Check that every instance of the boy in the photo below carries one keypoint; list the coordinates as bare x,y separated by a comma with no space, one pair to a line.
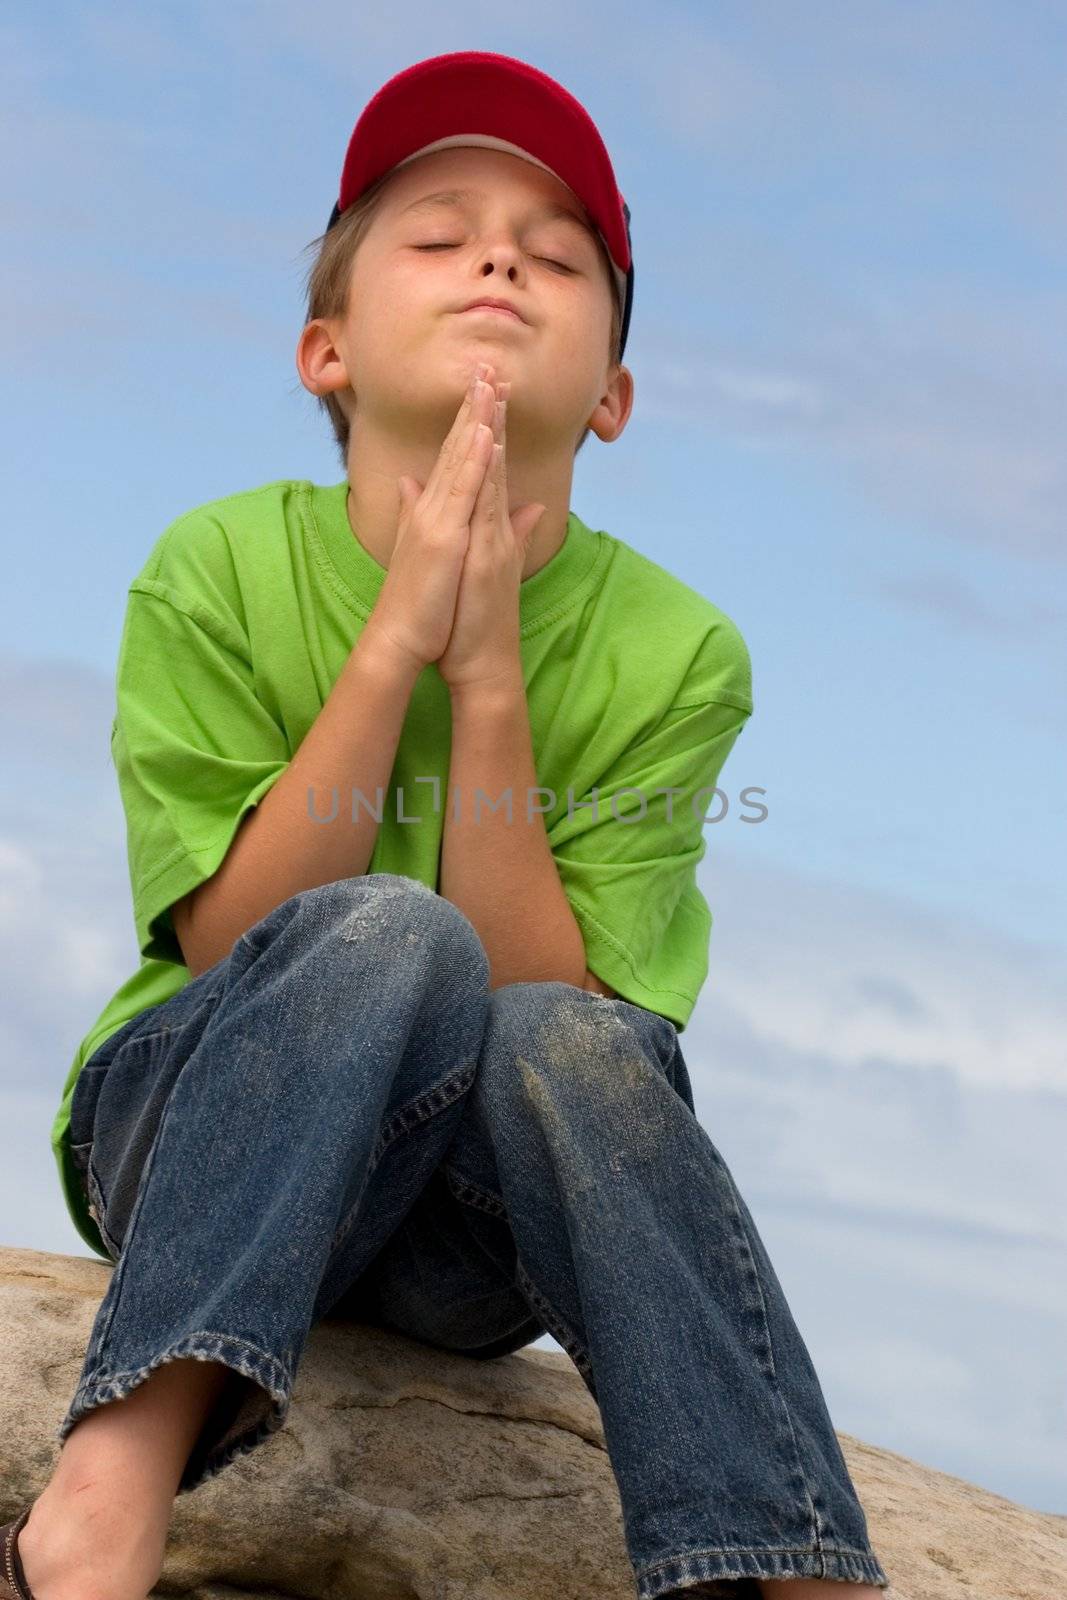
488,968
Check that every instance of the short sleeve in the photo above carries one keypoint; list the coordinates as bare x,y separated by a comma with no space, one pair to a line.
630,872
194,750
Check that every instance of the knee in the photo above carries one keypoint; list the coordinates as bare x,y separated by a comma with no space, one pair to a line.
520,1007
402,913
553,1023
559,1010
584,1035
608,1071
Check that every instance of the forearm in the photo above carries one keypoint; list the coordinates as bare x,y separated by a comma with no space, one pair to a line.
280,847
501,873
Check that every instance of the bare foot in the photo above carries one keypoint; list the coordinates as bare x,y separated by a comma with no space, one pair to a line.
818,1589
98,1531
90,1552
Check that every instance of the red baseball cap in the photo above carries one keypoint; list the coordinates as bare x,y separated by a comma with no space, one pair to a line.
475,97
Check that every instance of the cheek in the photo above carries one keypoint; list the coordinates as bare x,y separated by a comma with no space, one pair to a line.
579,311
583,330
414,297
386,285
385,314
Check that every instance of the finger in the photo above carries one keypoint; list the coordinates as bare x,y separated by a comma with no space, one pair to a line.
500,505
479,375
485,514
481,382
450,478
468,414
466,486
499,464
479,410
492,504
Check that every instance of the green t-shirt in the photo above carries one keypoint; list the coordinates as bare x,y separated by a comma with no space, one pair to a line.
235,631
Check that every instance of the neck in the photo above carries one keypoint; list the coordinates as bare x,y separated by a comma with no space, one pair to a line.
377,460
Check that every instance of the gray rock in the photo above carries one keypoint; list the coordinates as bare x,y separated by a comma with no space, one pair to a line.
406,1473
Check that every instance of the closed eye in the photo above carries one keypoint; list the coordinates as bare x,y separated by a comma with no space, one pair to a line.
562,267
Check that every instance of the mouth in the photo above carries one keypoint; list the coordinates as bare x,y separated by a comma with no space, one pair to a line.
489,309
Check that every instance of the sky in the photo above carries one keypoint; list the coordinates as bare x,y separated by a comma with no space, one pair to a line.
848,336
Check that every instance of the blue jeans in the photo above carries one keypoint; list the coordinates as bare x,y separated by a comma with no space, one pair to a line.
342,1118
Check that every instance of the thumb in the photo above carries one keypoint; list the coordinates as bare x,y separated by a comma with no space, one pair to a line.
409,493
525,520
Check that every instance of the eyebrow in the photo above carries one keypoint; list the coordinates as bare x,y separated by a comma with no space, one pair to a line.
451,197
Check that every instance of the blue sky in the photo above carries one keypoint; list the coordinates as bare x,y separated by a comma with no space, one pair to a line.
847,343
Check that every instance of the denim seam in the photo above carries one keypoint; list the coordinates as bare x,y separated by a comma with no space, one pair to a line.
105,1377
753,1561
118,1280
423,1107
471,1195
409,1116
761,1550
167,1029
144,1038
555,1325
258,1365
816,1522
97,1208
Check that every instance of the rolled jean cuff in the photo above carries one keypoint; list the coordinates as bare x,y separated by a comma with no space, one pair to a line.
241,1421
810,1561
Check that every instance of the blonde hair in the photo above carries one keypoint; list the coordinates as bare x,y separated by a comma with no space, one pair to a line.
330,275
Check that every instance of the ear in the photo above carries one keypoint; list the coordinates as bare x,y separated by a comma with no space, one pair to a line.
318,363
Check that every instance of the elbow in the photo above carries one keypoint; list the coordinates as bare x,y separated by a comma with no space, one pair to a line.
194,954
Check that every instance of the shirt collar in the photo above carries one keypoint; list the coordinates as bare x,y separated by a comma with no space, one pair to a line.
563,580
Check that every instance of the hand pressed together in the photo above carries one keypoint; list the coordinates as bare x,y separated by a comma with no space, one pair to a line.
484,643
451,593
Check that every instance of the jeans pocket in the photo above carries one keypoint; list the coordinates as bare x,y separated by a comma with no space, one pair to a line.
119,1101
98,1208
126,1102
82,1112
156,1025
79,1154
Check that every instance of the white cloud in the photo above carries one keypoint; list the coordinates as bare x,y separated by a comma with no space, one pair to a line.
855,977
